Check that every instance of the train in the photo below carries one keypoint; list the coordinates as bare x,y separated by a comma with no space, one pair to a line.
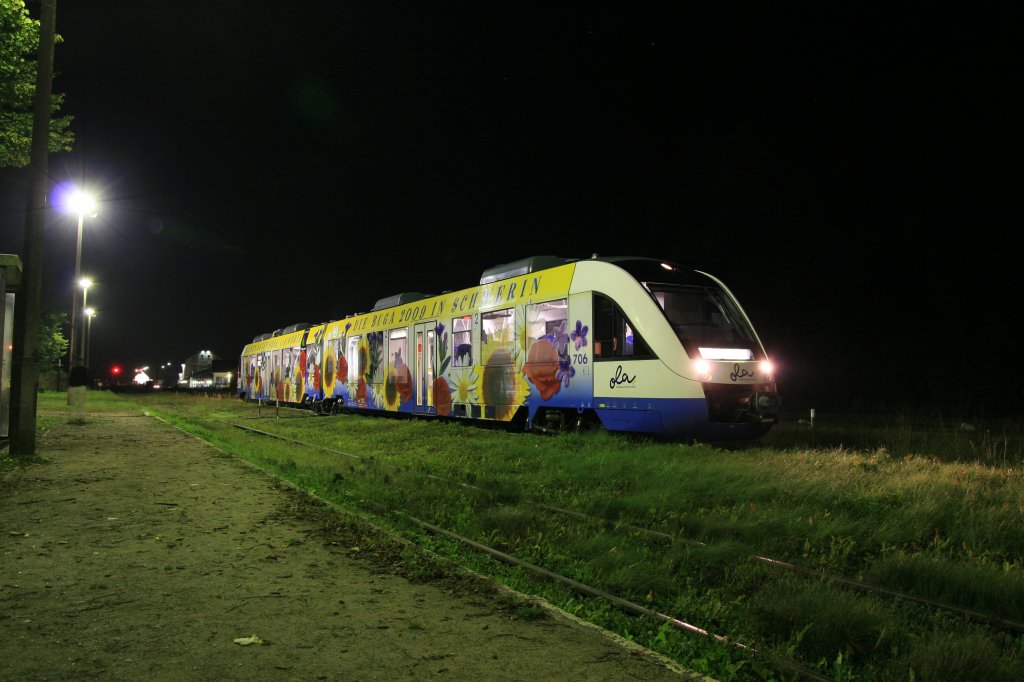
546,343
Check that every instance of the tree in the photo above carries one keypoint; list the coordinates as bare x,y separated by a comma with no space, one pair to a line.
19,43
52,344
24,367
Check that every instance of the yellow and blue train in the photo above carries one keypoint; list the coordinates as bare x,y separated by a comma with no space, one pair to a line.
545,343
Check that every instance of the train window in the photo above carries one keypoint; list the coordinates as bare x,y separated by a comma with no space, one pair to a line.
549,321
355,366
398,347
462,341
614,336
497,337
351,351
275,373
398,357
290,357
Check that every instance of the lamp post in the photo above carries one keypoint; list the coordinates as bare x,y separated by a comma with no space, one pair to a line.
85,283
89,314
80,203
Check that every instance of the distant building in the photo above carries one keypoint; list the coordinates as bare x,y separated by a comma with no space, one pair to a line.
198,362
206,370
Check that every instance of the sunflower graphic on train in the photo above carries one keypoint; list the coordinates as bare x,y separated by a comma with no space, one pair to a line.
502,385
370,371
330,367
335,370
295,378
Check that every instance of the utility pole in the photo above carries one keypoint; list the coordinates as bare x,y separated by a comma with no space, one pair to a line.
25,369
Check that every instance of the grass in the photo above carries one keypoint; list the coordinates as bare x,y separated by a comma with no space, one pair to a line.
916,504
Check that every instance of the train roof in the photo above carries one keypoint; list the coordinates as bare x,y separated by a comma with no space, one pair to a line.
522,267
637,265
399,299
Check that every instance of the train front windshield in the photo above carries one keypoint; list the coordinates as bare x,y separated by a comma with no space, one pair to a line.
707,321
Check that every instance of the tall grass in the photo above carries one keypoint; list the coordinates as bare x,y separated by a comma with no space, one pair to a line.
930,509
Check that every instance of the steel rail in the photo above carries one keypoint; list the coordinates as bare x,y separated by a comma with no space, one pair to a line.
624,604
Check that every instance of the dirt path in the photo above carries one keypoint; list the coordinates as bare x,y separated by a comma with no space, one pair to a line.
137,552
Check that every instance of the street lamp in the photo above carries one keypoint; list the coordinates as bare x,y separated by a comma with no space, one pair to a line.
89,314
81,203
85,283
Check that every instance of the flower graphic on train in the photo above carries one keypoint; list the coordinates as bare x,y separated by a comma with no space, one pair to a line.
579,335
361,392
342,372
463,383
369,371
444,358
442,397
502,384
565,371
370,351
363,358
548,364
560,339
296,385
330,366
540,367
397,385
392,398
403,377
342,378
312,374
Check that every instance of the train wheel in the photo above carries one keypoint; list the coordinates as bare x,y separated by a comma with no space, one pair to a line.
549,421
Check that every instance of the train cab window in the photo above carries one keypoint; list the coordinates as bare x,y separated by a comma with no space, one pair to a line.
462,341
705,318
614,336
497,337
548,321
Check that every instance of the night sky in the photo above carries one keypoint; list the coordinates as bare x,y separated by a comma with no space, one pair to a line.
852,174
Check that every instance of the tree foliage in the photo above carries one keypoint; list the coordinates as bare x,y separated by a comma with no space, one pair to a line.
19,47
52,345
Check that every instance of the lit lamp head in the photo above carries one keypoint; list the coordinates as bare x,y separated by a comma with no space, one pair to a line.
81,203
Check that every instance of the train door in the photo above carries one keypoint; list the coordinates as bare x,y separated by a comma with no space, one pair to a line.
423,367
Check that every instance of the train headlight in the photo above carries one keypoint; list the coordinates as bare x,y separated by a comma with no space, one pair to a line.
702,368
767,368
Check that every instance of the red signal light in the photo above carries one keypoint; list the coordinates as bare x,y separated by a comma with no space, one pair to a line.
116,369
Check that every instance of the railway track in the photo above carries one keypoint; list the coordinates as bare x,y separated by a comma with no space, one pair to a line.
791,669
989,619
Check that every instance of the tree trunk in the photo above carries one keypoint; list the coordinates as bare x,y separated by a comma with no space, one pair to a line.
25,369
